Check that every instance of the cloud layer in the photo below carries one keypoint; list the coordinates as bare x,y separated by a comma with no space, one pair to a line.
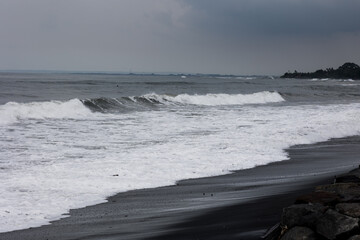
277,17
209,36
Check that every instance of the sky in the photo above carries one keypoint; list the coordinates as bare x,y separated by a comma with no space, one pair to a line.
242,37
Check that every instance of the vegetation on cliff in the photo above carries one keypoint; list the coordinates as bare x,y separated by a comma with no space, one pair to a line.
346,71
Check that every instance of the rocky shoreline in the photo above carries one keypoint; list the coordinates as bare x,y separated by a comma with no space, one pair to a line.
329,212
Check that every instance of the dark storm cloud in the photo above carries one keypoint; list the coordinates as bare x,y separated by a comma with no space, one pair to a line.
209,36
276,17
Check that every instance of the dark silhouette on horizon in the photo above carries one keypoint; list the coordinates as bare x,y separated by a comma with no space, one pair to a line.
346,71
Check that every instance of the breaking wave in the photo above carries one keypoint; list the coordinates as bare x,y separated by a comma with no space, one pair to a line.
12,111
76,109
153,99
218,99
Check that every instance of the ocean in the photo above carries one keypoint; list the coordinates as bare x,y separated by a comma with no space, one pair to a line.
69,140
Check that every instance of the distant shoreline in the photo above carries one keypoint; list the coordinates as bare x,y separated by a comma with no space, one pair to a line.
109,73
346,71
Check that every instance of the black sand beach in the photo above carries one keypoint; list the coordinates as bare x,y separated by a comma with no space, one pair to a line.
241,205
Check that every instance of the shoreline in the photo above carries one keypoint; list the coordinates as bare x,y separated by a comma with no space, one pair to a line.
183,210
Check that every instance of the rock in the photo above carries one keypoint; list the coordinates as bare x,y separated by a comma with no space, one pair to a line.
355,237
353,176
320,197
302,215
333,224
347,179
273,233
299,233
350,209
340,188
355,172
347,191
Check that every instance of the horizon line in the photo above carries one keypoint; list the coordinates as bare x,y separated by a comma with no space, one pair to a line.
125,73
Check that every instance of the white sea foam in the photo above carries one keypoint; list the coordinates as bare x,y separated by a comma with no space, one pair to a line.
332,80
50,166
245,78
218,99
350,84
12,112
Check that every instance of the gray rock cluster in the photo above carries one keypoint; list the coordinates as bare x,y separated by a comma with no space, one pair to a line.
330,212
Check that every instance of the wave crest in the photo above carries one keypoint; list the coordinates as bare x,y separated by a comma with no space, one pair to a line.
217,99
11,112
152,100
73,109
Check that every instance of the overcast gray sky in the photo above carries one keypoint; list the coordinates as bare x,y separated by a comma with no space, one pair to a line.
194,36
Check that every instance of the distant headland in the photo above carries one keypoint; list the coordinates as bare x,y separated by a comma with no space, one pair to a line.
346,71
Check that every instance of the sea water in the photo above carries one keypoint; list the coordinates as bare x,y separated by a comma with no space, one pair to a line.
70,140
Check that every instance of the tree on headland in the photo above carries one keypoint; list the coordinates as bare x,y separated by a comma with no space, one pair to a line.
346,71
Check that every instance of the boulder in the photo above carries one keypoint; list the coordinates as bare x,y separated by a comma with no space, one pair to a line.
350,209
333,225
347,179
299,233
320,197
273,233
302,215
355,237
340,188
355,172
352,176
347,191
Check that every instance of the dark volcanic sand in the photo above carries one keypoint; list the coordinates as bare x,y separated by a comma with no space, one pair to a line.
241,205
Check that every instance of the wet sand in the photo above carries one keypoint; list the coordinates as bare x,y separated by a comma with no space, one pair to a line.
241,205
